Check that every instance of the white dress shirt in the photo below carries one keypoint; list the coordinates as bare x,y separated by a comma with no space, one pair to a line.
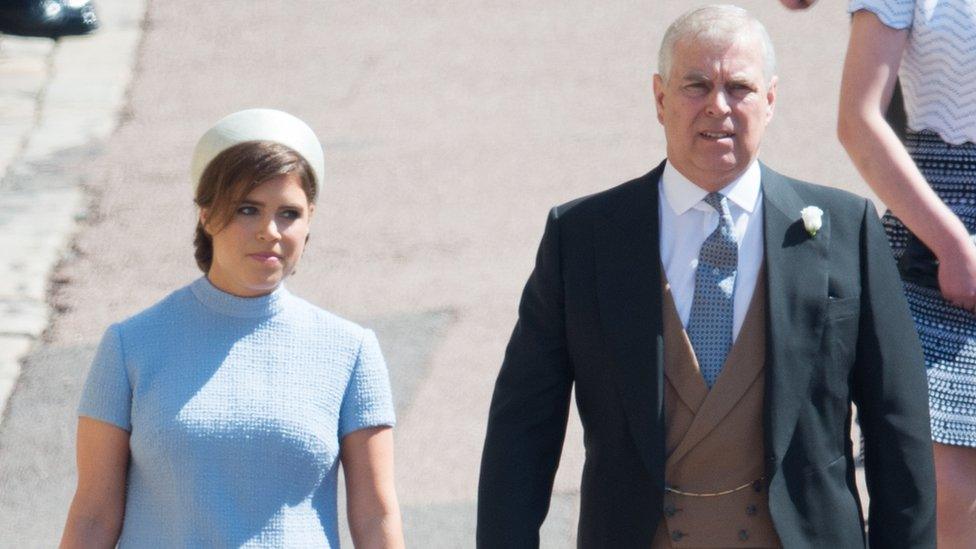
686,221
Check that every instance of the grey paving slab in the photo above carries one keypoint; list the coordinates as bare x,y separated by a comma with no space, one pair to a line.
59,99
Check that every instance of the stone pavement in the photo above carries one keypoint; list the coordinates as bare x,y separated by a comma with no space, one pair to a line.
58,101
450,128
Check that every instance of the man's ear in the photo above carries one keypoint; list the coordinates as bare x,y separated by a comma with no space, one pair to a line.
659,97
771,97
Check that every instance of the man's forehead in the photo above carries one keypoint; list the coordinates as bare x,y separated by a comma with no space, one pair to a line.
703,58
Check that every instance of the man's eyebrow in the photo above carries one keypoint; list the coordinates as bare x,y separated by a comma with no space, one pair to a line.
696,76
741,78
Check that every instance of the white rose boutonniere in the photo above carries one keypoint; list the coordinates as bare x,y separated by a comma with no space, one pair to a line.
812,219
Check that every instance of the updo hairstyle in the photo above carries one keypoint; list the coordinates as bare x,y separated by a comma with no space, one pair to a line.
232,175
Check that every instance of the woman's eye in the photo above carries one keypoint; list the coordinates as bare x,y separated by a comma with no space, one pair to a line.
247,210
291,214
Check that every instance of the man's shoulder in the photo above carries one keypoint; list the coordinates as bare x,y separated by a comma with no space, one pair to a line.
604,203
817,194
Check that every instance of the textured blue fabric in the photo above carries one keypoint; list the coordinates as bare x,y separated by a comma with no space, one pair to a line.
236,408
710,322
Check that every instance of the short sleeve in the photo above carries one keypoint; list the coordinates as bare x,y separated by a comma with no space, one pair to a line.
368,401
107,395
897,14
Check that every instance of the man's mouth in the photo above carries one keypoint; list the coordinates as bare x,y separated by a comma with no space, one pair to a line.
715,136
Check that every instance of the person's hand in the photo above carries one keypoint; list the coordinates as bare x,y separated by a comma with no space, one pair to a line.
797,4
957,278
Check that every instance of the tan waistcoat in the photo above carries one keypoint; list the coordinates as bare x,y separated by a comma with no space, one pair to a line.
715,439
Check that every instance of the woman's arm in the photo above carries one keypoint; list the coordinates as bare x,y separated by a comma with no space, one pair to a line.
797,4
95,517
870,70
371,501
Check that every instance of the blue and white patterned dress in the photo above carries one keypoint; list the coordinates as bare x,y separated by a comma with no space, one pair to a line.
236,409
939,87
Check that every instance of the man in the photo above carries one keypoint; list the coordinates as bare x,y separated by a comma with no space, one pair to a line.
716,338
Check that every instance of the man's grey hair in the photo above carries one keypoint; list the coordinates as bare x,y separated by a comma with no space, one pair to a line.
718,23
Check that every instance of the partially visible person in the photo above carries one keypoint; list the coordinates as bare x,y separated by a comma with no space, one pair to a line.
798,4
895,114
218,417
929,186
47,18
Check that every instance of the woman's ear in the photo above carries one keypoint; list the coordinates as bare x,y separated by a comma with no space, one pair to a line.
202,217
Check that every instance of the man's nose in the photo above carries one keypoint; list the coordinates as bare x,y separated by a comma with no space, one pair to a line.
718,104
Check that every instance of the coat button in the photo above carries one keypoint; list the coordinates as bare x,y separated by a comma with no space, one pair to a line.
677,535
757,486
669,510
751,510
743,535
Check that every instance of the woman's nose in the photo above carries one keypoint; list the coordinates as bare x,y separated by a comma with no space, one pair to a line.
269,230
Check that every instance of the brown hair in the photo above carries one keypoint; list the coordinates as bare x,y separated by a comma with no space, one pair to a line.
232,175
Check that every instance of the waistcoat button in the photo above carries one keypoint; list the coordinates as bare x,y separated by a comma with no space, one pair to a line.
743,535
669,510
751,510
677,535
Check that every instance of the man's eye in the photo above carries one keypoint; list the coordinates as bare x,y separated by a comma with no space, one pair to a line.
247,210
291,214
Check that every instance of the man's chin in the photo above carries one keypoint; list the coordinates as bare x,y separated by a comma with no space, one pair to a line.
713,176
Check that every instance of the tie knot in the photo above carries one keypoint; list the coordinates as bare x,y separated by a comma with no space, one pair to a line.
717,201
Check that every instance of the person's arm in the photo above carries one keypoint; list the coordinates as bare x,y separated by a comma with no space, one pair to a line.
797,4
371,500
870,70
889,388
97,510
529,410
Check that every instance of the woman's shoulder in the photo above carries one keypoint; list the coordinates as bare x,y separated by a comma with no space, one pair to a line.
326,322
172,307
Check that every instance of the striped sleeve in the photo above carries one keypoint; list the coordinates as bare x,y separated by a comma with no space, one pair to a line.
897,14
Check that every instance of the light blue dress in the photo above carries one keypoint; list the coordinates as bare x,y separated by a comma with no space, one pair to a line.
236,408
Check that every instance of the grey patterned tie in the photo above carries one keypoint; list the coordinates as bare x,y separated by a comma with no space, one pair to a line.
710,323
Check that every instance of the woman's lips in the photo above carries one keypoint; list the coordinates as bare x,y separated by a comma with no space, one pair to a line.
266,258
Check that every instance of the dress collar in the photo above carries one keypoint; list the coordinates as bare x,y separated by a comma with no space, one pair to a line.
242,307
681,194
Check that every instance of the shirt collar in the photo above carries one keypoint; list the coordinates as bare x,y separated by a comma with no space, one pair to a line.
681,194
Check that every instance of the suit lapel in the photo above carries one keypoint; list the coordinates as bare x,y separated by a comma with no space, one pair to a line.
629,296
796,277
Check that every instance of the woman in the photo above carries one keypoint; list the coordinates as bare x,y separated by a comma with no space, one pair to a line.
216,417
929,185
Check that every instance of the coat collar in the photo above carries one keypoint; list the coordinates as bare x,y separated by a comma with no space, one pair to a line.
629,294
796,286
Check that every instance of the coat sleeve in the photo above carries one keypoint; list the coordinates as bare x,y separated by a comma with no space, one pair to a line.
890,391
529,410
